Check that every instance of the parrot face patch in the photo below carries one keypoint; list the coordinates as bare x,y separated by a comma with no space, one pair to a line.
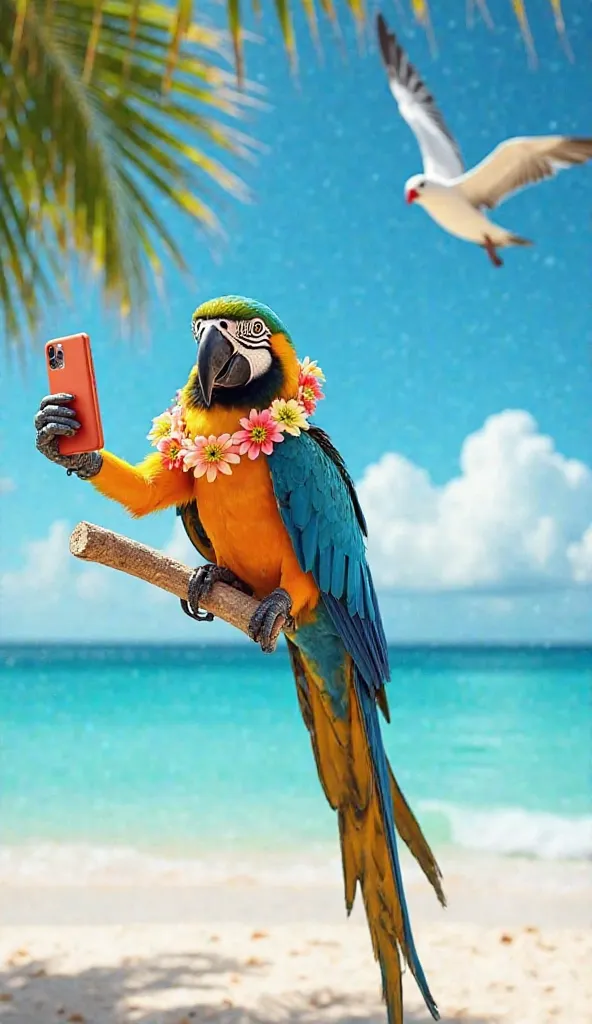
249,338
231,353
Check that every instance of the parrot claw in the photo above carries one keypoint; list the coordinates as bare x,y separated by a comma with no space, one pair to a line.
263,627
200,585
55,419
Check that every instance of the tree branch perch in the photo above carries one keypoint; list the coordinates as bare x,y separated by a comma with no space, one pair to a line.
95,544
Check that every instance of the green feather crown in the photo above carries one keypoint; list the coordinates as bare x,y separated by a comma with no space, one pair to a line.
236,307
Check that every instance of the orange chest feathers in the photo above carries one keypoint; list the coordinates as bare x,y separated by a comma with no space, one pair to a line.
241,517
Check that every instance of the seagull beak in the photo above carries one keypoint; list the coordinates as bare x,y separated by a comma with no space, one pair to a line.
412,195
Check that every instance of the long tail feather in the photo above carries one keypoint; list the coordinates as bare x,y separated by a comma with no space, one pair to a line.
360,786
380,766
405,821
410,831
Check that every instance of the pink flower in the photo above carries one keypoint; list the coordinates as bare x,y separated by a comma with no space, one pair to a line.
177,420
309,391
210,455
172,450
260,433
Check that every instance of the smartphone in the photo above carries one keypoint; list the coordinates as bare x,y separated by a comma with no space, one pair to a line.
70,369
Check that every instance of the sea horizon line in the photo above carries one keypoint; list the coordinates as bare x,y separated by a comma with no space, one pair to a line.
414,645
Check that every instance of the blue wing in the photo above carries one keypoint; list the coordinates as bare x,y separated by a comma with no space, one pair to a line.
319,507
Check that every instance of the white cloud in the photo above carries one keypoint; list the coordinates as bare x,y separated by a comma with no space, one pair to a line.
45,564
580,557
49,575
519,514
6,485
52,595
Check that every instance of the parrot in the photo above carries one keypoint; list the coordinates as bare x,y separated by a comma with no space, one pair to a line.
288,527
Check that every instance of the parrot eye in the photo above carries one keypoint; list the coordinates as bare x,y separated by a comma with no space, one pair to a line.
196,327
253,333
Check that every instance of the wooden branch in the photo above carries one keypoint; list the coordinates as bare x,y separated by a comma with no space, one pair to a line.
95,544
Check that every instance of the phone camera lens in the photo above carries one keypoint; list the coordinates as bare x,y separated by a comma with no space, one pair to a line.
51,351
60,356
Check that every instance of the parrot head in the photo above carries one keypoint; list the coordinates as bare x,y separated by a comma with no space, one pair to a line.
244,355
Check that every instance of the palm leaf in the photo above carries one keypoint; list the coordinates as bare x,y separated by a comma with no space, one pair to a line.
126,108
108,108
419,8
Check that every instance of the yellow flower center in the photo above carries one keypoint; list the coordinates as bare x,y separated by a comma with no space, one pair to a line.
259,434
212,452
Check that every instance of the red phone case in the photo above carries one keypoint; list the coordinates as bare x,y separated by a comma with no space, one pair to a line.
70,370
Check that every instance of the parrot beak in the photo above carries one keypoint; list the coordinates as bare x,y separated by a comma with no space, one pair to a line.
412,195
218,364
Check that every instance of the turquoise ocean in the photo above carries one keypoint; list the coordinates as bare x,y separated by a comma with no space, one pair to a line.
123,760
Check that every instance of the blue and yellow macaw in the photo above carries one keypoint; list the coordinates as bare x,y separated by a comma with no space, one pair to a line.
289,526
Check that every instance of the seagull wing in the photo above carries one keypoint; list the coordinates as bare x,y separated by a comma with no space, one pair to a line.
439,150
517,163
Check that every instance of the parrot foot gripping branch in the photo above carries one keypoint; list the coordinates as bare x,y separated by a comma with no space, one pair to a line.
95,544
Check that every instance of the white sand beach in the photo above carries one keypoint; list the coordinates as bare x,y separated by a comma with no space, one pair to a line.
514,947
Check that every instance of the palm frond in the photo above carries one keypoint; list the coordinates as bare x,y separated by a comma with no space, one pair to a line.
420,9
108,110
111,108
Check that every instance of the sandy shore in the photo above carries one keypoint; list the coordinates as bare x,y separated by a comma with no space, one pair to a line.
177,974
236,953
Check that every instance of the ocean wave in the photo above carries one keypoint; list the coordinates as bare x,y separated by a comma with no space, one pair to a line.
80,864
500,833
509,831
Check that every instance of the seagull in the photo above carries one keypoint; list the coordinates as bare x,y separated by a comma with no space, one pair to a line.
456,198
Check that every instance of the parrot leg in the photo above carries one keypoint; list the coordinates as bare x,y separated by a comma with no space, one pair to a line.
263,625
200,585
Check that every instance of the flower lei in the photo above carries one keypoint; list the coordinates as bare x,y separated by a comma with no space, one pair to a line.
261,430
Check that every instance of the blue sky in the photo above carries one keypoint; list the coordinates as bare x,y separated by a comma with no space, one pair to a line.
423,343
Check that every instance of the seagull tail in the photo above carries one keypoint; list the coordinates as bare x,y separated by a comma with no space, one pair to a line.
517,240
